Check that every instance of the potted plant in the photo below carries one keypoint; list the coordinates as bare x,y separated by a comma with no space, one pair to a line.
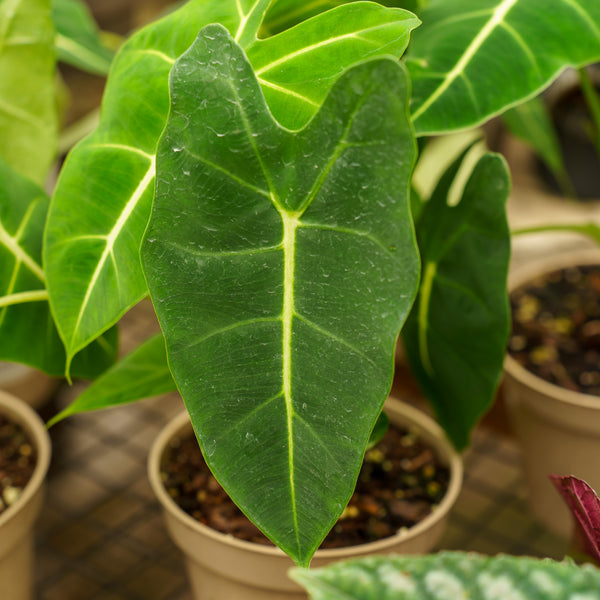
229,565
24,461
265,180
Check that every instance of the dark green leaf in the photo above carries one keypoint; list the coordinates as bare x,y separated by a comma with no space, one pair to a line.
456,334
91,253
281,266
451,576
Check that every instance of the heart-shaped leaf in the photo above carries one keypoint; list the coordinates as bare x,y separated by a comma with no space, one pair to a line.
281,266
471,60
91,254
451,576
455,336
28,123
27,331
77,37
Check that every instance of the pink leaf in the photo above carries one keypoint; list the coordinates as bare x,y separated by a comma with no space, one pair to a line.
585,506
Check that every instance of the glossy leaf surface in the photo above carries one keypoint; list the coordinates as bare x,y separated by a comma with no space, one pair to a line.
451,576
456,334
91,254
141,374
281,266
28,124
77,37
472,59
27,331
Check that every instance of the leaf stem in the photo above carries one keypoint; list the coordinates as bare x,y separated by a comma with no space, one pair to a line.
590,230
23,297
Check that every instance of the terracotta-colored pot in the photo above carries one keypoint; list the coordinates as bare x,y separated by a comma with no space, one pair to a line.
558,429
222,567
16,522
28,384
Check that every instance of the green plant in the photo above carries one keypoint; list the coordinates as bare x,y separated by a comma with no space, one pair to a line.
280,253
451,575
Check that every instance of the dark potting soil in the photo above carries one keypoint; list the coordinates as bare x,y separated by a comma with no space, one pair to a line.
17,461
556,328
400,483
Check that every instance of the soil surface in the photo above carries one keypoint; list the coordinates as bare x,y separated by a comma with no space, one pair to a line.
400,483
17,462
556,328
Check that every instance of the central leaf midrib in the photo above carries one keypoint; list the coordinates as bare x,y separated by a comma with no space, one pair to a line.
290,224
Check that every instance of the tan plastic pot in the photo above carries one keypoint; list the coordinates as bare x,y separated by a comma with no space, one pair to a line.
28,384
221,567
16,523
558,429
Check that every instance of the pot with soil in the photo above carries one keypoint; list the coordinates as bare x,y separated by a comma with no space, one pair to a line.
552,376
238,563
24,461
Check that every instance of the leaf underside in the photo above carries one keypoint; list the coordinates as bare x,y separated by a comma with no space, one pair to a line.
472,59
456,334
93,269
451,575
281,266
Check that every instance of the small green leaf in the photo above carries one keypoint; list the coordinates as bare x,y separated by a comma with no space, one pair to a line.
531,122
473,59
141,374
456,334
279,263
28,123
451,576
27,331
77,37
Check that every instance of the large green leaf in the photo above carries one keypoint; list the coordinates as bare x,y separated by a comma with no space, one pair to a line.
28,124
77,38
456,334
141,374
281,266
451,576
472,59
300,64
91,253
27,331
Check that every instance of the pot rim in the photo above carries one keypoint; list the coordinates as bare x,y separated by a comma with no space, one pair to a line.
521,276
27,418
431,431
